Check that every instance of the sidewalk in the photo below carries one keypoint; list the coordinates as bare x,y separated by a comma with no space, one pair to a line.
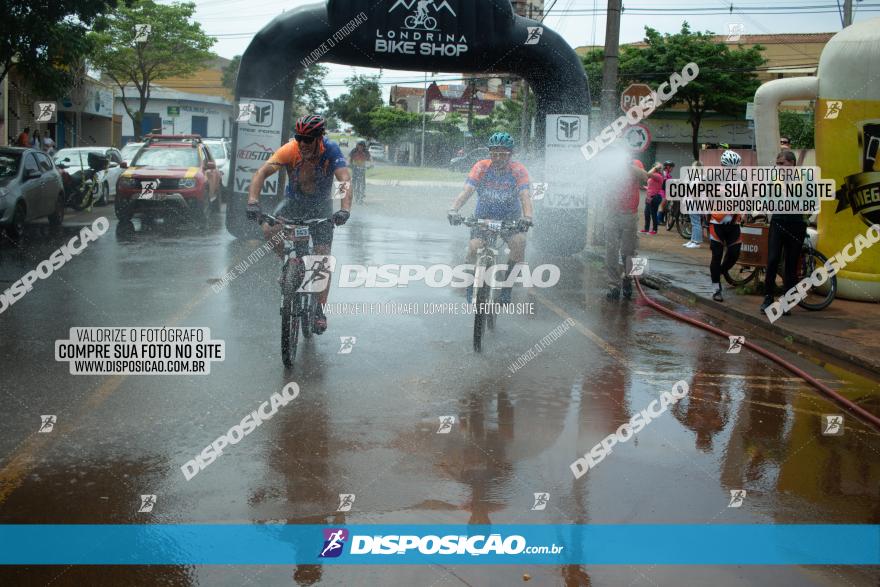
845,330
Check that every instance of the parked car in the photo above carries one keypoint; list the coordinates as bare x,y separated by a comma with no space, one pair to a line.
129,151
377,151
221,151
465,162
170,174
73,161
30,188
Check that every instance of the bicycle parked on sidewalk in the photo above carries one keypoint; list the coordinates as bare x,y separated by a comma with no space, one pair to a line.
675,218
486,289
299,304
753,261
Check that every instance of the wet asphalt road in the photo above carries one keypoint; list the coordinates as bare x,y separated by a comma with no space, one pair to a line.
365,422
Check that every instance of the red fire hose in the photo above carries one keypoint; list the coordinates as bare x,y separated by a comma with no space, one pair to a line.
824,389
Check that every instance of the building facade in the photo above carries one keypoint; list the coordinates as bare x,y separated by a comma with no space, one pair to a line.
174,112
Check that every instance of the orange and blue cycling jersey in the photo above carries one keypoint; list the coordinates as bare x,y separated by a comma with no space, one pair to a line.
311,183
498,190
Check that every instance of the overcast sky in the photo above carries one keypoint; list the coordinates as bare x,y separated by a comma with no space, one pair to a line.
234,22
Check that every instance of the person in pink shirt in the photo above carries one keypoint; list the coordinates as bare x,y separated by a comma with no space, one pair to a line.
653,198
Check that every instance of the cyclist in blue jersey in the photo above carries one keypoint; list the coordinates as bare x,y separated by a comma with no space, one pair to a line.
503,193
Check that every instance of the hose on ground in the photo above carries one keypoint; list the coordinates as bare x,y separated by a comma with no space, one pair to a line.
843,402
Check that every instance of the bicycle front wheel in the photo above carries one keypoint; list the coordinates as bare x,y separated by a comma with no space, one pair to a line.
685,227
740,275
289,327
817,298
481,298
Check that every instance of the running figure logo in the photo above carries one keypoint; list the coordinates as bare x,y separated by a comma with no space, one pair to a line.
535,33
832,109
539,190
346,500
341,189
346,344
48,423
46,111
147,188
737,496
318,270
735,30
832,425
147,503
142,32
245,111
446,424
639,264
334,540
736,344
541,501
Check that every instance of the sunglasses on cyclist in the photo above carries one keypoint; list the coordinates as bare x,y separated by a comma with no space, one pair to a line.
304,139
499,152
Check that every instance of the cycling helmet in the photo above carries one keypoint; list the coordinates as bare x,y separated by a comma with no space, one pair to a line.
311,125
362,142
501,139
668,164
730,159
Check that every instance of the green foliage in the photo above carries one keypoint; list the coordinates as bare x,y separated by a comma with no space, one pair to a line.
230,73
390,123
309,95
727,78
175,47
48,40
355,107
799,128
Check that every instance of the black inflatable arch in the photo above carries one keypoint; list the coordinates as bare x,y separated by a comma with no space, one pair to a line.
469,36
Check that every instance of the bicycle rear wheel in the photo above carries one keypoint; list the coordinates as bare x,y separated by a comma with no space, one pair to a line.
672,216
817,298
740,275
685,228
481,297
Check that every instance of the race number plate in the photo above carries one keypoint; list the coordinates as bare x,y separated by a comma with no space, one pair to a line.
301,233
494,226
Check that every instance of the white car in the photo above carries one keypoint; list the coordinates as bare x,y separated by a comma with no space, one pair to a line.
220,150
74,160
377,151
129,151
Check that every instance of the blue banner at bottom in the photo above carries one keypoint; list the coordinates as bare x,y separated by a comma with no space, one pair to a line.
277,544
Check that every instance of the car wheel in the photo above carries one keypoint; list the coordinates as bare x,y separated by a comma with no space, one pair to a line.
57,217
105,194
15,230
125,228
123,210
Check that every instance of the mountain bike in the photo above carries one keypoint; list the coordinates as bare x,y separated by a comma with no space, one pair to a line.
750,266
299,298
485,294
675,218
359,183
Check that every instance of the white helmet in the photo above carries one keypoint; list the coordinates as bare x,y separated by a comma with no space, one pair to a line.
730,158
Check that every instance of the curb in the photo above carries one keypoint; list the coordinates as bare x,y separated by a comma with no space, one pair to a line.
778,334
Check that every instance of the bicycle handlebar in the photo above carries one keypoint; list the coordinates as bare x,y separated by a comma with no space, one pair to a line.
273,220
506,225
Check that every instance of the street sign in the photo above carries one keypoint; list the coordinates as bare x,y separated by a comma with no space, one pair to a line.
750,110
633,95
637,137
174,111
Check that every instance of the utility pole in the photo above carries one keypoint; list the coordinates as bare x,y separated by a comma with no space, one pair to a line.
609,102
471,106
847,13
424,114
524,120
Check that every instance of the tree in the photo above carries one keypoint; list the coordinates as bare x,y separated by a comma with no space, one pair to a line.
798,127
174,47
389,123
47,40
230,74
364,96
309,95
727,78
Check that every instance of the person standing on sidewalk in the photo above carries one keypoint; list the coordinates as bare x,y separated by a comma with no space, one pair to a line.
653,198
620,232
786,238
696,224
724,236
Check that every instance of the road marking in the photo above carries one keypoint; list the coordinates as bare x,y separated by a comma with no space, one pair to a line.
22,460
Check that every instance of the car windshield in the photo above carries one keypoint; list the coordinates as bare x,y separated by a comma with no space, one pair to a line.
217,151
75,154
9,164
130,149
168,157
